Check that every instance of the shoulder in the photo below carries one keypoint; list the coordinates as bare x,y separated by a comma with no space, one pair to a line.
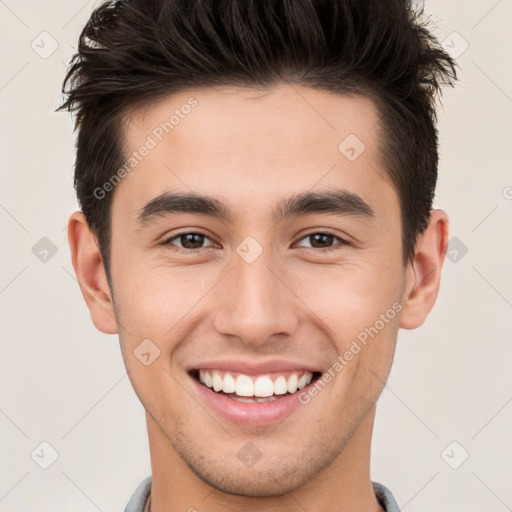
140,496
385,497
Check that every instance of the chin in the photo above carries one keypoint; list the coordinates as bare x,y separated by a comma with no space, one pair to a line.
253,483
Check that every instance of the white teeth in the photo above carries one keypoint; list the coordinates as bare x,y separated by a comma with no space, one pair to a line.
244,386
229,384
302,382
217,381
262,387
292,383
280,386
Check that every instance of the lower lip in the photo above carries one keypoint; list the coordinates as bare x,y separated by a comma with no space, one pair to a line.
247,414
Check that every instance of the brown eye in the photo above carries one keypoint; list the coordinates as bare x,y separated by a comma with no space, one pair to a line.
321,240
188,241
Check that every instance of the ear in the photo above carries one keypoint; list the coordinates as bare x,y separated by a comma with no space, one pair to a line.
423,273
90,272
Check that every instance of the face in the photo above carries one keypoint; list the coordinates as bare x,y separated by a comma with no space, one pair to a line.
273,293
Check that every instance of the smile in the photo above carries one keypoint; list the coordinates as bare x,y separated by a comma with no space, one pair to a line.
252,399
254,389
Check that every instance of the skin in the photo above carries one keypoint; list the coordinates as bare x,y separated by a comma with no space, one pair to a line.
251,149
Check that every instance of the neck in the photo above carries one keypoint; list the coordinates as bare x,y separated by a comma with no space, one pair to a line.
344,486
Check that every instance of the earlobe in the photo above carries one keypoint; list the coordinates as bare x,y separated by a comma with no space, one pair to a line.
90,272
423,274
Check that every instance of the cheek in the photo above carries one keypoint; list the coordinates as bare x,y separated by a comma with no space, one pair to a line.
161,305
351,297
360,306
152,300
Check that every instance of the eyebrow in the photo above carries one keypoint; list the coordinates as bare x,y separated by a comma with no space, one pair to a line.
336,202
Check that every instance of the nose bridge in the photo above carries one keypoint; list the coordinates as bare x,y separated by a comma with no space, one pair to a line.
254,304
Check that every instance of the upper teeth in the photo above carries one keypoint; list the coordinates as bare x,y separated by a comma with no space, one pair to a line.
262,386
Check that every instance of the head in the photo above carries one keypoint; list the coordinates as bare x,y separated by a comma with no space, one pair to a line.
265,119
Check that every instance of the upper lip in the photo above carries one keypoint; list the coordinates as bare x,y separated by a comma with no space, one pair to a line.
248,367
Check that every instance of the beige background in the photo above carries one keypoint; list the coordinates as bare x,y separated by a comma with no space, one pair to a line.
63,382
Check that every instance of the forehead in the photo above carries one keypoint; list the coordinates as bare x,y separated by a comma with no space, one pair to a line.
248,146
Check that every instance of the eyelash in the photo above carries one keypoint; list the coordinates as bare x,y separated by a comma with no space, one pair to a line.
168,242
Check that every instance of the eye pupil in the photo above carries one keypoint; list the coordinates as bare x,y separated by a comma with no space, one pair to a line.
196,240
324,238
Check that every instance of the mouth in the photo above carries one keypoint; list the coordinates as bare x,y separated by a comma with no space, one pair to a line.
254,389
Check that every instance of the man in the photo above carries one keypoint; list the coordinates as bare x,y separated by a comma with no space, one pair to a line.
256,181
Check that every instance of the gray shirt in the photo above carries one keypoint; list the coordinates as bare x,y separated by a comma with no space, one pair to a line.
140,497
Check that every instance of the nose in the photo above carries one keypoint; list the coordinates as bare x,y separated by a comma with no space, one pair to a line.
256,303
